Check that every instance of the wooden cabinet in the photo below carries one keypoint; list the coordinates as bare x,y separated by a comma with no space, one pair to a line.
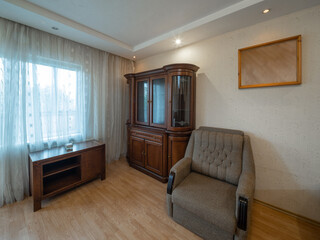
147,153
137,150
181,101
158,101
56,170
176,149
153,153
161,117
92,164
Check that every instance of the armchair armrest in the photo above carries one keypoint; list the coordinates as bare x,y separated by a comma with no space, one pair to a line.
244,197
177,173
246,186
170,182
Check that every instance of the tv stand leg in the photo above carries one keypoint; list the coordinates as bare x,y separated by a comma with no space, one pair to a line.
103,176
36,205
103,172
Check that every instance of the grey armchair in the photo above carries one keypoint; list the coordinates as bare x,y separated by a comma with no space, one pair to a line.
210,191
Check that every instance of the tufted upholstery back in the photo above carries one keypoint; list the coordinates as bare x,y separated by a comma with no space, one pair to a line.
217,153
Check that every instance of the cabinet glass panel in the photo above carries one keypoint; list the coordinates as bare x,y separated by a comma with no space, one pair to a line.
181,99
158,100
142,98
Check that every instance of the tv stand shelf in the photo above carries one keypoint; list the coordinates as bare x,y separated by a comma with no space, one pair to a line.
56,170
61,166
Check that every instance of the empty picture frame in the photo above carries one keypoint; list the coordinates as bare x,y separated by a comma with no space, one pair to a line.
269,64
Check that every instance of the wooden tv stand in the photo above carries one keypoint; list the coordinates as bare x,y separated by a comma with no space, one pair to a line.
56,170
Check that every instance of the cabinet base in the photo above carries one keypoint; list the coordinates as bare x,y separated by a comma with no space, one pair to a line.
146,171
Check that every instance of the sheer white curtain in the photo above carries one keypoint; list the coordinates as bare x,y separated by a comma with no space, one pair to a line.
13,138
53,91
110,104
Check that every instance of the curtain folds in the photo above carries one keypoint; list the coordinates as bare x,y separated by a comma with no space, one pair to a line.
53,91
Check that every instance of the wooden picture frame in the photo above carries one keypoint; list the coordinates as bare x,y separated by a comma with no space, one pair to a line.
269,64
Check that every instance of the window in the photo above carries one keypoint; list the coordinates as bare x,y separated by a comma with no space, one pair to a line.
11,100
1,95
1,88
51,103
51,97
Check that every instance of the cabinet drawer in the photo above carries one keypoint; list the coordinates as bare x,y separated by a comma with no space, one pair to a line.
148,136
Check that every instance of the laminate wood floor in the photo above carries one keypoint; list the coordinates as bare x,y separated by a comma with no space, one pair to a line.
127,205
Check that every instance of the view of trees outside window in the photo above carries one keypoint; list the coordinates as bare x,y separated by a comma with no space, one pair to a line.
56,91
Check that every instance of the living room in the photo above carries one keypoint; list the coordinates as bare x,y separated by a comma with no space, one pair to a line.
72,76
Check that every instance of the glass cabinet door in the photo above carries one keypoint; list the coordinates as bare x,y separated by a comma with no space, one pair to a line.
158,101
181,101
142,109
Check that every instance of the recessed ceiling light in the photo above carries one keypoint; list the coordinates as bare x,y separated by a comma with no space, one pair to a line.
134,57
266,11
178,41
55,28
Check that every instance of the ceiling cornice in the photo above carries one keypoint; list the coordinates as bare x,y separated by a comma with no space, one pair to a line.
214,16
80,27
68,22
241,14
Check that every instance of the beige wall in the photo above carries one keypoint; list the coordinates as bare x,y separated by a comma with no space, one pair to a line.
283,122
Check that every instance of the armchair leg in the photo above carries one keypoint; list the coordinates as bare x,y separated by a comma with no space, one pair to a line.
242,213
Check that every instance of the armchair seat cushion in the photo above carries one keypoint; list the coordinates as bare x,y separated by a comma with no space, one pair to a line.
208,198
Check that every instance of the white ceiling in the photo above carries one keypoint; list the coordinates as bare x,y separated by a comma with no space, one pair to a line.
143,27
